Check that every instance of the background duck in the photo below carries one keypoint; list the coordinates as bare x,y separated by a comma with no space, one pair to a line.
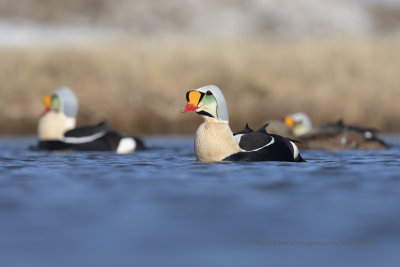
56,128
330,136
215,141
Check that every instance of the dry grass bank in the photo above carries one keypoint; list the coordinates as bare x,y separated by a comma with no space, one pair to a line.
139,86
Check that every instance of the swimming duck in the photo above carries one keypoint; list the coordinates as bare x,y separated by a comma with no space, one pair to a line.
56,128
332,136
215,141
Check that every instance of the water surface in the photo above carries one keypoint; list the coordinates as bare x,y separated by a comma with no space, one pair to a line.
162,208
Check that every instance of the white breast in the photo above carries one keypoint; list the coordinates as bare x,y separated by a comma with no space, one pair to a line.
214,141
53,125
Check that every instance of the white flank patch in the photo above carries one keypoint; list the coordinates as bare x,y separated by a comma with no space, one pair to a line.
126,145
237,137
83,139
343,140
270,143
368,134
295,150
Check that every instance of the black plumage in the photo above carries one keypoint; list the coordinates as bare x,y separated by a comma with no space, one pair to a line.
261,146
88,130
99,137
337,135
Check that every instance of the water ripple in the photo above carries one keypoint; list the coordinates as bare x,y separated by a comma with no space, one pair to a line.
154,202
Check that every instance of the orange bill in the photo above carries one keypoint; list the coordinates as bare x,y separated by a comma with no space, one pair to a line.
193,98
47,101
289,122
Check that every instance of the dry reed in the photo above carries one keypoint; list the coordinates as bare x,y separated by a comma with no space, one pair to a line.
139,85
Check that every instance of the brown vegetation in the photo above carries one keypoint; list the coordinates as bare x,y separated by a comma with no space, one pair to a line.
139,86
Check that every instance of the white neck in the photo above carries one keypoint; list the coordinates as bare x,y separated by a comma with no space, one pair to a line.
53,125
214,140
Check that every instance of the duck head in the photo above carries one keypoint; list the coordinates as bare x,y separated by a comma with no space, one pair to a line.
59,115
299,122
63,100
207,101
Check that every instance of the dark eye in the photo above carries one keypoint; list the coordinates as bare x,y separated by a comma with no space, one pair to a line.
208,93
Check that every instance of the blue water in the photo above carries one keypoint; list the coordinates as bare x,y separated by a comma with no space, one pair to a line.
162,208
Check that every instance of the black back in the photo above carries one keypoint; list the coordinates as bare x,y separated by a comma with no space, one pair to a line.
107,141
88,130
280,150
339,128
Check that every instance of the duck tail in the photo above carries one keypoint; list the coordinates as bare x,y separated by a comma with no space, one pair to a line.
299,159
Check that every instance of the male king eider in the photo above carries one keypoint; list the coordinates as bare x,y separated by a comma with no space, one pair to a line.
214,140
332,136
56,128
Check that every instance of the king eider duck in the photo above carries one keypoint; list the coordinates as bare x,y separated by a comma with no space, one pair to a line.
214,140
332,136
56,128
